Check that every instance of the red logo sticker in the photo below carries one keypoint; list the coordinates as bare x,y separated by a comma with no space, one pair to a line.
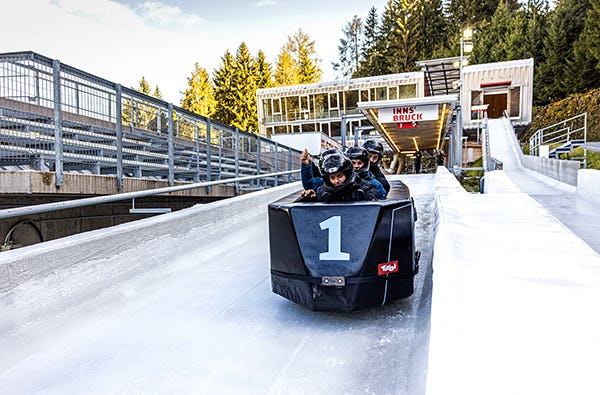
387,268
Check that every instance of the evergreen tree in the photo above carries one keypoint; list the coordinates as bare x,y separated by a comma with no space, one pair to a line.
349,49
400,33
566,23
222,79
297,62
157,93
434,30
584,67
503,38
243,85
307,61
199,94
144,87
370,55
263,70
285,70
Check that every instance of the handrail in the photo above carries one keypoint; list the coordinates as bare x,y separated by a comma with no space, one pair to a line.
42,208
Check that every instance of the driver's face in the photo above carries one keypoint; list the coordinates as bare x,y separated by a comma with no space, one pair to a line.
373,157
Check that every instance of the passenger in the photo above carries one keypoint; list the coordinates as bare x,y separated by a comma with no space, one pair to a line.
340,182
361,163
375,150
307,172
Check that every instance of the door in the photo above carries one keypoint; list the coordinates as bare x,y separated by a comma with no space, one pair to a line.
497,104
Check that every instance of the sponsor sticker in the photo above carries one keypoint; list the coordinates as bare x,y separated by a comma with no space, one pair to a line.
387,268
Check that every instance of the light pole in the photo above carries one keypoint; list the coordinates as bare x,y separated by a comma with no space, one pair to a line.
466,46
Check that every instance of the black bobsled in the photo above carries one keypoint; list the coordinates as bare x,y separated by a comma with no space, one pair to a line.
343,256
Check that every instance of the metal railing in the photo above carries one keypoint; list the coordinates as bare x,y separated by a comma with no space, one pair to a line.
489,162
560,138
47,207
57,118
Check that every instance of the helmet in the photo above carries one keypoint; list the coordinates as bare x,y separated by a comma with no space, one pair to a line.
337,162
374,147
361,154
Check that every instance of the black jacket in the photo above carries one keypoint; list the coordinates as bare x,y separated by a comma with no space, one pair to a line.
355,191
377,173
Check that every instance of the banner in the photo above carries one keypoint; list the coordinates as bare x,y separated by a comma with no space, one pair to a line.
409,114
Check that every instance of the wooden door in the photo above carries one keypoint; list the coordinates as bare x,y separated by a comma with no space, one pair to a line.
497,104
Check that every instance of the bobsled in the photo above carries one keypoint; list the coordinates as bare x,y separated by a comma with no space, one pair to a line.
343,256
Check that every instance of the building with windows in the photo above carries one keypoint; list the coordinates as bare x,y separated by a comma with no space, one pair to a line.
416,111
320,107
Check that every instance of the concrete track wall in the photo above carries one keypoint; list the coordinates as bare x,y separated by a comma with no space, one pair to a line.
109,254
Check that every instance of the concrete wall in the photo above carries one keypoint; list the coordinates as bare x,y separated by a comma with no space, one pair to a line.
115,253
561,170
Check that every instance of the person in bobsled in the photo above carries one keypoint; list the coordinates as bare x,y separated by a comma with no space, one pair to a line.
340,181
309,172
361,163
375,150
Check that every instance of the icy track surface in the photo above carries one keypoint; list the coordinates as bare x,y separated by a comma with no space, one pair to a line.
207,322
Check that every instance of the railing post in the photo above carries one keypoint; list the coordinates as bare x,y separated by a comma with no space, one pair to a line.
237,159
58,148
276,164
197,146
220,153
119,131
289,163
171,157
585,140
208,152
258,166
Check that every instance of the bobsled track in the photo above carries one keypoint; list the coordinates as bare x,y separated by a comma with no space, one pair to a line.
505,301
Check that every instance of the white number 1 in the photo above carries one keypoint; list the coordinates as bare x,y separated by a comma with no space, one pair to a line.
334,241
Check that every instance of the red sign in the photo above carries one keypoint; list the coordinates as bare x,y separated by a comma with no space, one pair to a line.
387,268
407,125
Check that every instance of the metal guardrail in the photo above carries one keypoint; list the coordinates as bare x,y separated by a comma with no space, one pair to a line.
561,137
55,117
42,208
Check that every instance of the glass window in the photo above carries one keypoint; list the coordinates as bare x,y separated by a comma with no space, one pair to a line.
335,129
364,95
515,101
292,107
276,106
476,97
333,101
304,103
309,127
325,128
406,91
381,93
267,110
351,100
393,92
321,105
280,129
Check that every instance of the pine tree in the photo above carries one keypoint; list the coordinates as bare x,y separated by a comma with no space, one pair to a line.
286,72
157,93
371,57
264,78
243,85
433,30
222,79
566,23
307,61
503,38
350,49
399,36
584,67
297,62
199,94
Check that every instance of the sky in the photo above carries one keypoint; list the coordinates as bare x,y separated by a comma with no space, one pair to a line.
121,41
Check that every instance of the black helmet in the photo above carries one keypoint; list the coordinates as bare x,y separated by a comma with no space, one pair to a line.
374,147
361,154
337,162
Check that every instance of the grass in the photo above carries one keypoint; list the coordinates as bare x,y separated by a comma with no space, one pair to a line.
593,158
